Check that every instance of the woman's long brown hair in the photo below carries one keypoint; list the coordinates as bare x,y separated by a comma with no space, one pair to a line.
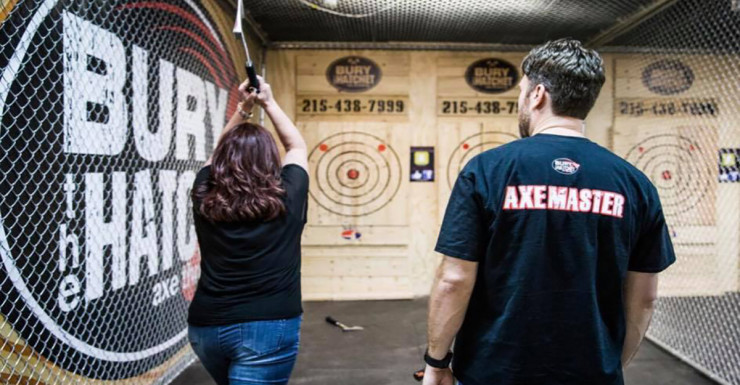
244,184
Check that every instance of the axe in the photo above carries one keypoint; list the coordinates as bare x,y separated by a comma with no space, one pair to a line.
239,32
342,326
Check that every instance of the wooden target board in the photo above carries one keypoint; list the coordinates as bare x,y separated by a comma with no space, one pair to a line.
370,231
666,127
680,161
352,108
473,139
470,121
322,95
358,173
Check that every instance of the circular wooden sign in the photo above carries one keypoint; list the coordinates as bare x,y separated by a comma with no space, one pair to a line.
667,77
492,76
353,74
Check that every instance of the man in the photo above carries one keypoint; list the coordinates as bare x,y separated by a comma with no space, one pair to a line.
551,246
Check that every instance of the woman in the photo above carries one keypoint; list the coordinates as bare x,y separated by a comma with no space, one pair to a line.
249,213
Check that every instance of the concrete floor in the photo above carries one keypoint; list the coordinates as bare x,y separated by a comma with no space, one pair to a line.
391,347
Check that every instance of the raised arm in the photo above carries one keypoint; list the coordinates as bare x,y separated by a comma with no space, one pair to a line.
290,137
244,106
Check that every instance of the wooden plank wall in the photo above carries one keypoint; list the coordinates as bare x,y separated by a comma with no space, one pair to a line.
673,135
394,256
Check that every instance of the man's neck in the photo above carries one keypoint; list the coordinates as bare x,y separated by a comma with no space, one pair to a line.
559,125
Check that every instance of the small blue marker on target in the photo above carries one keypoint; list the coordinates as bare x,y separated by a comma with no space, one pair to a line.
351,234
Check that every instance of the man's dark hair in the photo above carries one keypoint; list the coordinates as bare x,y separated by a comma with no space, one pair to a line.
572,74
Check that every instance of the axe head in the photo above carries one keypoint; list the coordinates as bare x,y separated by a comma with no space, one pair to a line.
238,30
239,16
346,328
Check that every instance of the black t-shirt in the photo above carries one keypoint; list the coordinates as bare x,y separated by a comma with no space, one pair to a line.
251,270
554,223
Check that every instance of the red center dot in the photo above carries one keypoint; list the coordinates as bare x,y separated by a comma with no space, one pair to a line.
323,147
381,147
666,175
465,146
692,148
641,149
353,174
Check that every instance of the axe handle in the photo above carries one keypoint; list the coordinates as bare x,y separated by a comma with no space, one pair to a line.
332,321
252,76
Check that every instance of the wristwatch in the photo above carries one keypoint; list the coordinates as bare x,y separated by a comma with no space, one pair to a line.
439,364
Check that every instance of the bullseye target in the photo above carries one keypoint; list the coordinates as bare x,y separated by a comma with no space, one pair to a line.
472,146
678,167
355,173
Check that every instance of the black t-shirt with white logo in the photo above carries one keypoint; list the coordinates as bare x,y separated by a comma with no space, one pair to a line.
555,223
251,270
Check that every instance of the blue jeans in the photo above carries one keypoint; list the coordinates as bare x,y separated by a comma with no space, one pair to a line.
249,353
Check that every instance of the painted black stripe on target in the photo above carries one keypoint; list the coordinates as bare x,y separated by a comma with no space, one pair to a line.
678,167
656,164
356,204
341,180
460,155
376,165
675,181
338,191
676,199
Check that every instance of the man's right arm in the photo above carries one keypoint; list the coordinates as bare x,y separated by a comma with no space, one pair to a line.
652,254
640,295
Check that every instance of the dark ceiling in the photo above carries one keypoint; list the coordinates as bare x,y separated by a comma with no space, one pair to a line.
708,25
507,22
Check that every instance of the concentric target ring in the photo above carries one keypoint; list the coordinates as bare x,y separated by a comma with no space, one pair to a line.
679,169
340,179
349,163
334,190
356,173
657,165
469,147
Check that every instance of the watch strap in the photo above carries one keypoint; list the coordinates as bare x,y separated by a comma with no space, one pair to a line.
439,364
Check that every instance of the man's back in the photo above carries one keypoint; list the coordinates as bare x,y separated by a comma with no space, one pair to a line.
554,222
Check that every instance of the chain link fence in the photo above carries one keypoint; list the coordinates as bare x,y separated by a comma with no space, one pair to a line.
108,108
687,141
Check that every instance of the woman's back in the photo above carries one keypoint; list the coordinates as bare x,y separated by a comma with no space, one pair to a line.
249,210
250,270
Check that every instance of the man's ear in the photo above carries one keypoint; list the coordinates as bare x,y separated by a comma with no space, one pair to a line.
538,97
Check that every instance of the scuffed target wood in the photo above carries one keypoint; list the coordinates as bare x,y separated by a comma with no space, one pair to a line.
356,242
451,75
311,72
483,138
358,202
680,161
666,126
461,141
357,173
353,253
469,122
316,99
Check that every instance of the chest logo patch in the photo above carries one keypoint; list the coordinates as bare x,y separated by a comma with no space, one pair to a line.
565,166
